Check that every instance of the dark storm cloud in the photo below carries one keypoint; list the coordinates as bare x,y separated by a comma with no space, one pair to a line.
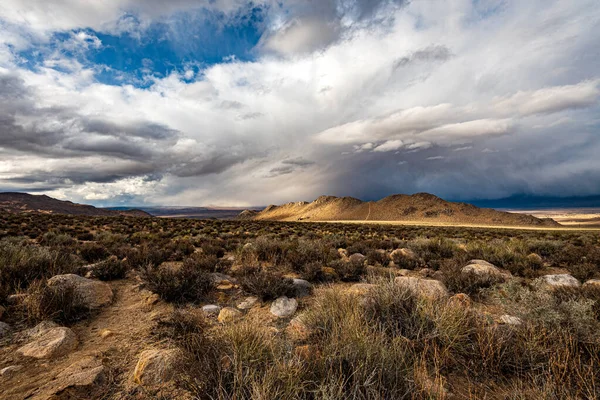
141,129
299,161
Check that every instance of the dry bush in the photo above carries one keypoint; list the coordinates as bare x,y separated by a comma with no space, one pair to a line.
267,285
58,303
186,284
349,271
110,269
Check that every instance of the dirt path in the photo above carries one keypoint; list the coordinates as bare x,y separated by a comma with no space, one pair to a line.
128,317
369,214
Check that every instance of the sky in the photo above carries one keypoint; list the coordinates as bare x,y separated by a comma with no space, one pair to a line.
238,103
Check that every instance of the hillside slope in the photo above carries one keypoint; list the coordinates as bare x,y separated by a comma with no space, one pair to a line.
27,203
421,207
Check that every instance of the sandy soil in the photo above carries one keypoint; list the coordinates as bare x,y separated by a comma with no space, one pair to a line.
579,217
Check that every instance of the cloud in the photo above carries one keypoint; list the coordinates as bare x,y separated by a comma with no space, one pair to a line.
324,92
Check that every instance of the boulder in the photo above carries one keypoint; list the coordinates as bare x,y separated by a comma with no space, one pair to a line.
357,258
403,253
51,343
460,300
40,328
484,269
302,288
558,281
284,307
426,288
155,367
85,372
229,314
4,329
211,309
92,293
247,303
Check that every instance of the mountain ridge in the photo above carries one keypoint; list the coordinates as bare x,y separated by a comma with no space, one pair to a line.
423,207
18,202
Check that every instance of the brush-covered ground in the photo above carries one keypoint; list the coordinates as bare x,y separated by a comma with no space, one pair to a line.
188,309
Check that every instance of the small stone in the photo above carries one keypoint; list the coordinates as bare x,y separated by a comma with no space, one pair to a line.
41,328
297,329
405,253
7,371
229,314
156,366
86,372
4,329
428,288
54,342
15,299
284,307
592,284
357,258
225,285
461,300
535,259
211,309
510,320
343,253
248,303
302,288
106,333
558,281
484,269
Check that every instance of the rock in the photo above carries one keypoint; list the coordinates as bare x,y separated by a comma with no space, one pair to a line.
461,300
558,281
15,299
343,253
156,366
484,269
2,310
357,258
403,253
149,298
297,329
92,293
510,320
427,288
425,272
307,352
329,273
40,328
592,284
4,329
361,288
54,342
284,307
229,314
404,272
106,333
211,309
248,303
219,278
11,369
302,288
225,285
535,259
87,371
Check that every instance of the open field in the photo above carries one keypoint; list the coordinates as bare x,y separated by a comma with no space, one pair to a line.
222,309
574,217
424,223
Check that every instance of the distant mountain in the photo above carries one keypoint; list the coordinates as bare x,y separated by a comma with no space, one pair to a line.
192,212
27,203
420,207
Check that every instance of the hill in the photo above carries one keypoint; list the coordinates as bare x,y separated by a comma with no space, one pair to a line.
420,207
13,202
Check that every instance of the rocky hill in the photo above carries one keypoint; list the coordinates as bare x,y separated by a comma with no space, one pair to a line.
27,203
420,207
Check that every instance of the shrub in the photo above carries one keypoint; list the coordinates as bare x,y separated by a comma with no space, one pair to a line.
93,251
58,303
186,284
349,271
267,285
110,269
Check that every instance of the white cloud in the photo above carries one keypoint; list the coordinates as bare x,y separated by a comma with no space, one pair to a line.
390,145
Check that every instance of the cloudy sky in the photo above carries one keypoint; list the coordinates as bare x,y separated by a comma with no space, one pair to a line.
230,102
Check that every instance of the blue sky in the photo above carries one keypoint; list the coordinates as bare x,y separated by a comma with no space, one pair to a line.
230,102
